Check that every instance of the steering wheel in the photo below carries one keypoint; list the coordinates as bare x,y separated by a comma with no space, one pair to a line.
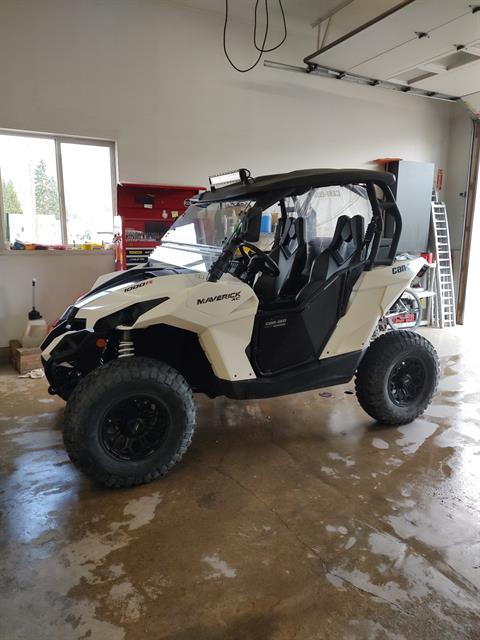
267,264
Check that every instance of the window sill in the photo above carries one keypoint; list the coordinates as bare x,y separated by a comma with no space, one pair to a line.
58,252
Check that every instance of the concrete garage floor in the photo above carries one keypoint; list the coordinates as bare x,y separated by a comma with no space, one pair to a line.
289,518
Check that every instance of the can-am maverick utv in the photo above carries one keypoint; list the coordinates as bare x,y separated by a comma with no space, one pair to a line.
223,309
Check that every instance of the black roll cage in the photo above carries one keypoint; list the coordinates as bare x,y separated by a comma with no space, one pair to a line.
381,207
265,191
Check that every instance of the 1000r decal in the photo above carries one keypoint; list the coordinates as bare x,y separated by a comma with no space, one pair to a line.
137,286
235,295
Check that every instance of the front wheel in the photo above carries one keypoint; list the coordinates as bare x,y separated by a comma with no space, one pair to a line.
129,422
397,377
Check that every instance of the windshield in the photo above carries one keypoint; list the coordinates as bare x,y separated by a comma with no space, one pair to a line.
196,239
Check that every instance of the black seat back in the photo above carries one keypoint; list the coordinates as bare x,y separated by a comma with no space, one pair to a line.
345,248
290,255
314,248
345,251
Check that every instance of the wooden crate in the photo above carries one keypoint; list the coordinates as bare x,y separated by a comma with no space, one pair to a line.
23,359
14,345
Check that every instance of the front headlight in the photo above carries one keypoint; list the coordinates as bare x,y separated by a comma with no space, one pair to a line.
126,316
68,314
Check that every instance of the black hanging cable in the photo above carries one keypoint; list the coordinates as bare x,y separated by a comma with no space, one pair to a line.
285,32
261,49
225,41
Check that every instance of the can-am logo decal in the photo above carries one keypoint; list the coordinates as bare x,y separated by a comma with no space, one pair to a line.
275,324
399,269
328,193
137,286
233,297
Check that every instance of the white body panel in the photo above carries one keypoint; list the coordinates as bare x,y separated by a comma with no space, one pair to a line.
222,313
373,294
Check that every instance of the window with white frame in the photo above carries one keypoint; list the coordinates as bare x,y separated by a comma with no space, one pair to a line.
56,190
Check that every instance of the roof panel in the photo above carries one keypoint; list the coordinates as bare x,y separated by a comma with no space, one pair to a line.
296,182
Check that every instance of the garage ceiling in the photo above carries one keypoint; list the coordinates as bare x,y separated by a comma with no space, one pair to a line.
431,45
301,10
428,47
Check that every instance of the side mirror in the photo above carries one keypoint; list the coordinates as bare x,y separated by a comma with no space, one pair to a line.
252,224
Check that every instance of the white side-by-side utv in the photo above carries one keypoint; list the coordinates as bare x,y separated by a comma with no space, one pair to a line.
224,309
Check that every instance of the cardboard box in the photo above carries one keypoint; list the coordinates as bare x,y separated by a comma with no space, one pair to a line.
23,359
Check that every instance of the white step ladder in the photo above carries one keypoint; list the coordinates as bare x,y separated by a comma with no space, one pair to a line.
445,298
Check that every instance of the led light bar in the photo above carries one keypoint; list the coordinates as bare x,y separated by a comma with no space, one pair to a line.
231,177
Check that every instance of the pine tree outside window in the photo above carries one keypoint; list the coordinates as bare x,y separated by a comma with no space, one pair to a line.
55,190
11,203
46,191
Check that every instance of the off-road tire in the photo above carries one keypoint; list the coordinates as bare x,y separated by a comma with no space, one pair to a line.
90,401
374,375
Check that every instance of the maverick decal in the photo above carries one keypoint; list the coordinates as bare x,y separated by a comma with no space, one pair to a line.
233,297
399,269
137,286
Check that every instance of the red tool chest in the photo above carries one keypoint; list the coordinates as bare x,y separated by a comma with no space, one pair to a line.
146,211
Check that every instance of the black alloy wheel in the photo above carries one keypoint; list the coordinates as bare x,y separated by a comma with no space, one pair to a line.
397,377
406,381
134,428
129,421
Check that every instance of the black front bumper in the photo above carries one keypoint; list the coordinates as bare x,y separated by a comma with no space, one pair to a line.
74,356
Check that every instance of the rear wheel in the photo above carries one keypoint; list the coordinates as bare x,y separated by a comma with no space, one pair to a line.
129,422
397,377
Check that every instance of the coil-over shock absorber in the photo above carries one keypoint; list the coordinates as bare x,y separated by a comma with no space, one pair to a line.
126,348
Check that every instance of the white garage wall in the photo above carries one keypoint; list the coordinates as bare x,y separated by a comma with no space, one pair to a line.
151,75
61,278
